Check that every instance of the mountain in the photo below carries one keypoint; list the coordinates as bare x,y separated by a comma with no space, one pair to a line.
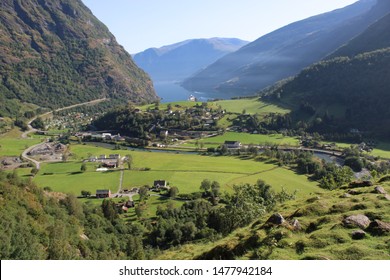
286,51
57,53
351,87
179,61
377,36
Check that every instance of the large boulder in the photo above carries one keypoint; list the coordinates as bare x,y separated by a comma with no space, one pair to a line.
381,190
360,221
358,234
360,184
276,219
378,227
296,225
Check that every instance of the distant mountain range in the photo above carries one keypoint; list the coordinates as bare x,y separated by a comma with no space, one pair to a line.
350,90
286,51
181,60
56,53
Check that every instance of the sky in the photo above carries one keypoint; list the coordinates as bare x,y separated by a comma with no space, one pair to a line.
142,24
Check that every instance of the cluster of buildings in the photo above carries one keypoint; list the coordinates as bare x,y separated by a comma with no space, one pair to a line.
100,136
112,161
48,149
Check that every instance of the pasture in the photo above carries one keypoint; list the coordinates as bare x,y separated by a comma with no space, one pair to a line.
251,106
11,143
185,171
246,139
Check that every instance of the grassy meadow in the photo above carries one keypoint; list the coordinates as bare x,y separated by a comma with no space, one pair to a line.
11,143
185,171
67,178
245,139
251,106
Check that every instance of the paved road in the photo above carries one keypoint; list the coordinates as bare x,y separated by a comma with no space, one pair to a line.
31,129
26,157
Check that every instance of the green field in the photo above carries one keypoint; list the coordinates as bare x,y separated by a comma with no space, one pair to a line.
185,171
11,143
251,106
382,150
246,139
66,178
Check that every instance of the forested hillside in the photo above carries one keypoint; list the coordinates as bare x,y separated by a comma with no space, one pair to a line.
349,91
56,53
40,224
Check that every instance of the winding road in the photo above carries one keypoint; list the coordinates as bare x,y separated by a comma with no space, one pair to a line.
32,130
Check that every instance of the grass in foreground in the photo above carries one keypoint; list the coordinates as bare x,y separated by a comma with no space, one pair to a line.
322,236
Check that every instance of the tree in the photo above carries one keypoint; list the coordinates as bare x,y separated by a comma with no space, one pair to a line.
83,167
215,189
129,161
205,186
143,193
86,193
109,210
34,171
355,163
173,192
223,150
38,123
73,206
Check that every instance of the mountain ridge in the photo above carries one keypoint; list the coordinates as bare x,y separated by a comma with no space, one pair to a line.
286,51
57,53
180,60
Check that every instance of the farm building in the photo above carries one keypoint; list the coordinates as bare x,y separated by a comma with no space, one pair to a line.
232,144
109,164
114,156
159,184
103,193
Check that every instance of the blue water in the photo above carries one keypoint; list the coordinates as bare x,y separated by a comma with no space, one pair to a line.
171,91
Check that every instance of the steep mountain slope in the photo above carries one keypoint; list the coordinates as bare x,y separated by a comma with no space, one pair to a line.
377,36
178,61
353,90
286,51
56,53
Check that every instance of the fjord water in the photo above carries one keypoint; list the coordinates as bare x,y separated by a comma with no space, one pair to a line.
171,91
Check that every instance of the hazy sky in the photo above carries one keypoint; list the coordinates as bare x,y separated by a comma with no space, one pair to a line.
141,24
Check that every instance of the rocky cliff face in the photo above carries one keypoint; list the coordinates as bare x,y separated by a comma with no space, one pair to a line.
56,53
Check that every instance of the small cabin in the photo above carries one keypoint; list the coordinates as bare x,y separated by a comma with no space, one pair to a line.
103,193
159,184
232,144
